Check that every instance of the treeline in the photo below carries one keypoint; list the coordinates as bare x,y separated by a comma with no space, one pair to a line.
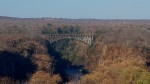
48,29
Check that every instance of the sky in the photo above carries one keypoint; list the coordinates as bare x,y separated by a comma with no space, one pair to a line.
76,9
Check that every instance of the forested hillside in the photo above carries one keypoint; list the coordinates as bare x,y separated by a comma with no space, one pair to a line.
119,53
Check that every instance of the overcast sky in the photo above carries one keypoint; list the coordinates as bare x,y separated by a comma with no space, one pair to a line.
75,9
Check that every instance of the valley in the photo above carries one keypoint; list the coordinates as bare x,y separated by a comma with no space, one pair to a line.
80,51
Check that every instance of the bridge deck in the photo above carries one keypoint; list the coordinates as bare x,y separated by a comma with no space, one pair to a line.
87,38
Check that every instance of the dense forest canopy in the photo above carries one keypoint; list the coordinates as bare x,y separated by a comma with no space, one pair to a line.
119,53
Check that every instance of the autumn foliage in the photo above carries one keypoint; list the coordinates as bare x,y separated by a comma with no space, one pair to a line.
119,54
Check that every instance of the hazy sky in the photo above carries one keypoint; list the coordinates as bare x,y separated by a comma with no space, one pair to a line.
98,9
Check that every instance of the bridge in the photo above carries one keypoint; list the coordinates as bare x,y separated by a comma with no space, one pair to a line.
86,38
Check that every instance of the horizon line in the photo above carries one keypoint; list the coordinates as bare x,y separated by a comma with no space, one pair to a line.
74,18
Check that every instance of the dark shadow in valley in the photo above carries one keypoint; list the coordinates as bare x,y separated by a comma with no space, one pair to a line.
148,64
61,64
15,66
146,50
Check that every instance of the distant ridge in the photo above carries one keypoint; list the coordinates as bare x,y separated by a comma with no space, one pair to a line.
49,18
67,21
7,17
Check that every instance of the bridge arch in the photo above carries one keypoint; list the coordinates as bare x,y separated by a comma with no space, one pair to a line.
57,40
80,37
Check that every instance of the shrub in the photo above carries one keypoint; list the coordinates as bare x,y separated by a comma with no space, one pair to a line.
40,77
